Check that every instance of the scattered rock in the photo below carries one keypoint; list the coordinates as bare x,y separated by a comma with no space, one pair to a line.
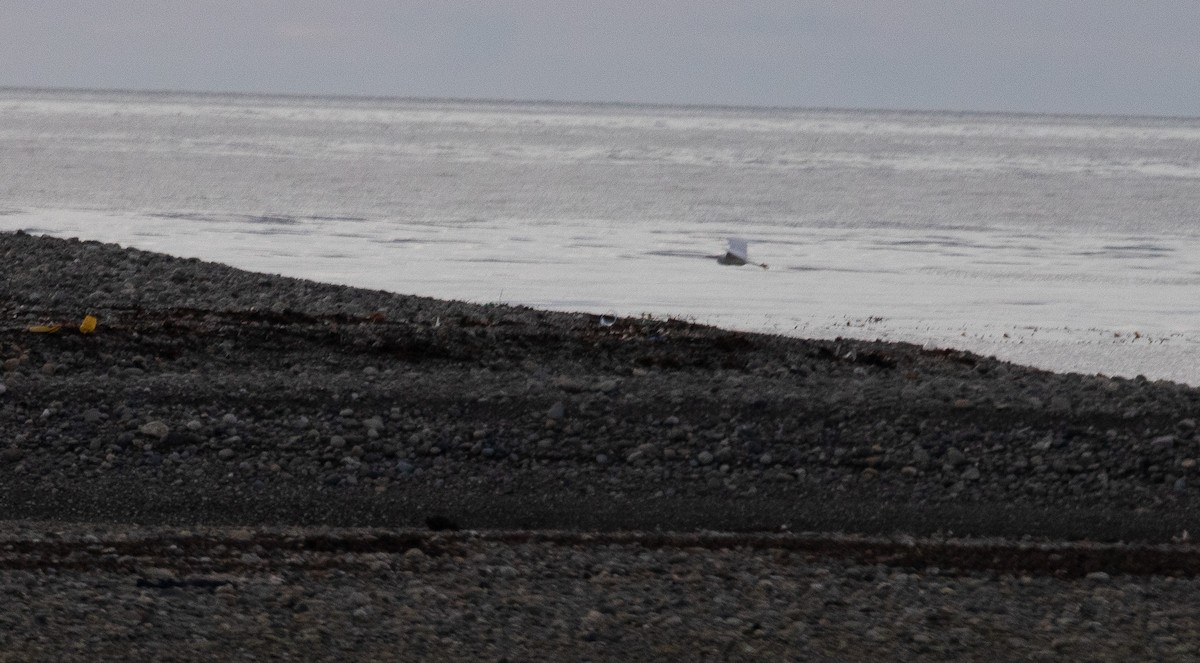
608,386
156,429
1163,442
954,457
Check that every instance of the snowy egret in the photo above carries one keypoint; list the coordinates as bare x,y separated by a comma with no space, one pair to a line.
737,254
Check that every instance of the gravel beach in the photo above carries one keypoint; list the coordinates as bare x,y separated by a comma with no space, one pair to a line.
225,421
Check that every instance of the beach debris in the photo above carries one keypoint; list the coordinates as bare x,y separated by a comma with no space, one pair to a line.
738,255
87,326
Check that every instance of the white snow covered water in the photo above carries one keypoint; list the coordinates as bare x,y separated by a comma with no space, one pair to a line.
1069,243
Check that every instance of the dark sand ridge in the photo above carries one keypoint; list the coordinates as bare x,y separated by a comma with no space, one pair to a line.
210,394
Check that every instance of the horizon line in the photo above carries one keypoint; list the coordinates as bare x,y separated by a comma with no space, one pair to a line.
593,102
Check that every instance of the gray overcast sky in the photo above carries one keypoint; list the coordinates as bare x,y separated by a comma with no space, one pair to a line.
1078,56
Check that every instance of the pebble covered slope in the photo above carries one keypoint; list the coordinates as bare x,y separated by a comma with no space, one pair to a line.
210,396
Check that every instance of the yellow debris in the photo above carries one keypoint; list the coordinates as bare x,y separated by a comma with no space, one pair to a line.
88,325
44,329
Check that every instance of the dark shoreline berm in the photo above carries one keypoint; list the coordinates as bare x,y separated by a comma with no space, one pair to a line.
210,394
178,485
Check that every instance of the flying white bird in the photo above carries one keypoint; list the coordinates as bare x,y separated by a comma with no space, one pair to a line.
737,254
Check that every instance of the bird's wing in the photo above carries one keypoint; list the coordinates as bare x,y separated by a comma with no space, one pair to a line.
737,247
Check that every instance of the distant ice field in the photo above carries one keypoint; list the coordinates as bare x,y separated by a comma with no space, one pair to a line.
1069,243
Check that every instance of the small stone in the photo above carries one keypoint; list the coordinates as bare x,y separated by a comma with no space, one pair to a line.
2,388
156,429
556,411
404,467
593,620
921,456
971,474
955,457
337,442
414,554
908,471
194,425
374,423
608,386
91,415
1181,485
11,365
963,404
154,573
704,458
12,455
229,419
1098,576
226,454
1163,442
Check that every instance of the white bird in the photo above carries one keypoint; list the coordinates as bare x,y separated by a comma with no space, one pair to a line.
737,254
